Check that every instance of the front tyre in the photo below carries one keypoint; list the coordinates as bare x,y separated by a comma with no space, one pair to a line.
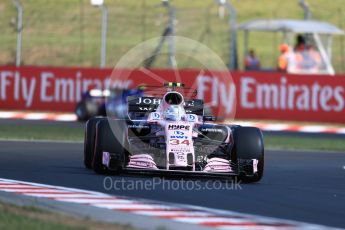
107,141
89,140
249,152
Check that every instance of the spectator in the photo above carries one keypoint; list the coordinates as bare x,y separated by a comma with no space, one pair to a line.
283,60
306,59
251,62
316,59
300,56
300,44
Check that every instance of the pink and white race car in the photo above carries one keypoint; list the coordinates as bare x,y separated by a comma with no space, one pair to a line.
169,135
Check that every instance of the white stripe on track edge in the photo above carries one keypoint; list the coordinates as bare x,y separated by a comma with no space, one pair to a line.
196,220
172,213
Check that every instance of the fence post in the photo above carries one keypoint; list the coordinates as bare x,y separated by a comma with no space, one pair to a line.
104,25
104,35
19,30
171,38
306,9
342,47
233,62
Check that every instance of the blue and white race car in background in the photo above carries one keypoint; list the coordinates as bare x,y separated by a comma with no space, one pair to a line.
97,102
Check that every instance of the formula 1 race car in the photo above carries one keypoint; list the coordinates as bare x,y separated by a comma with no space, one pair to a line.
169,135
97,102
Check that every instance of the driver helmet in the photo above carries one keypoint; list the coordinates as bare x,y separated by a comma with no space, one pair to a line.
173,113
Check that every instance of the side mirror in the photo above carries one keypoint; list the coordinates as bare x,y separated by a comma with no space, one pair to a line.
209,118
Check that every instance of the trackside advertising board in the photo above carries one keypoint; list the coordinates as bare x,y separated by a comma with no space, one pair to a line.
254,95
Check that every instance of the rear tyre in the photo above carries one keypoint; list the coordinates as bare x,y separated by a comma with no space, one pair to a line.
107,141
249,146
89,140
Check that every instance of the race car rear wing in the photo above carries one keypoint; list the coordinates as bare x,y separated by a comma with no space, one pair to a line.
142,106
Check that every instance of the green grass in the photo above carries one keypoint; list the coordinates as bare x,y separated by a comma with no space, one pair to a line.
65,133
14,217
11,221
41,132
308,143
67,32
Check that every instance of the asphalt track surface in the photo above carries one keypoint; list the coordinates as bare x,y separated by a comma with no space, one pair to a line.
303,186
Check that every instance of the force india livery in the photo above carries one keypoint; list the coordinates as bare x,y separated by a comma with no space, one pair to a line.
170,135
